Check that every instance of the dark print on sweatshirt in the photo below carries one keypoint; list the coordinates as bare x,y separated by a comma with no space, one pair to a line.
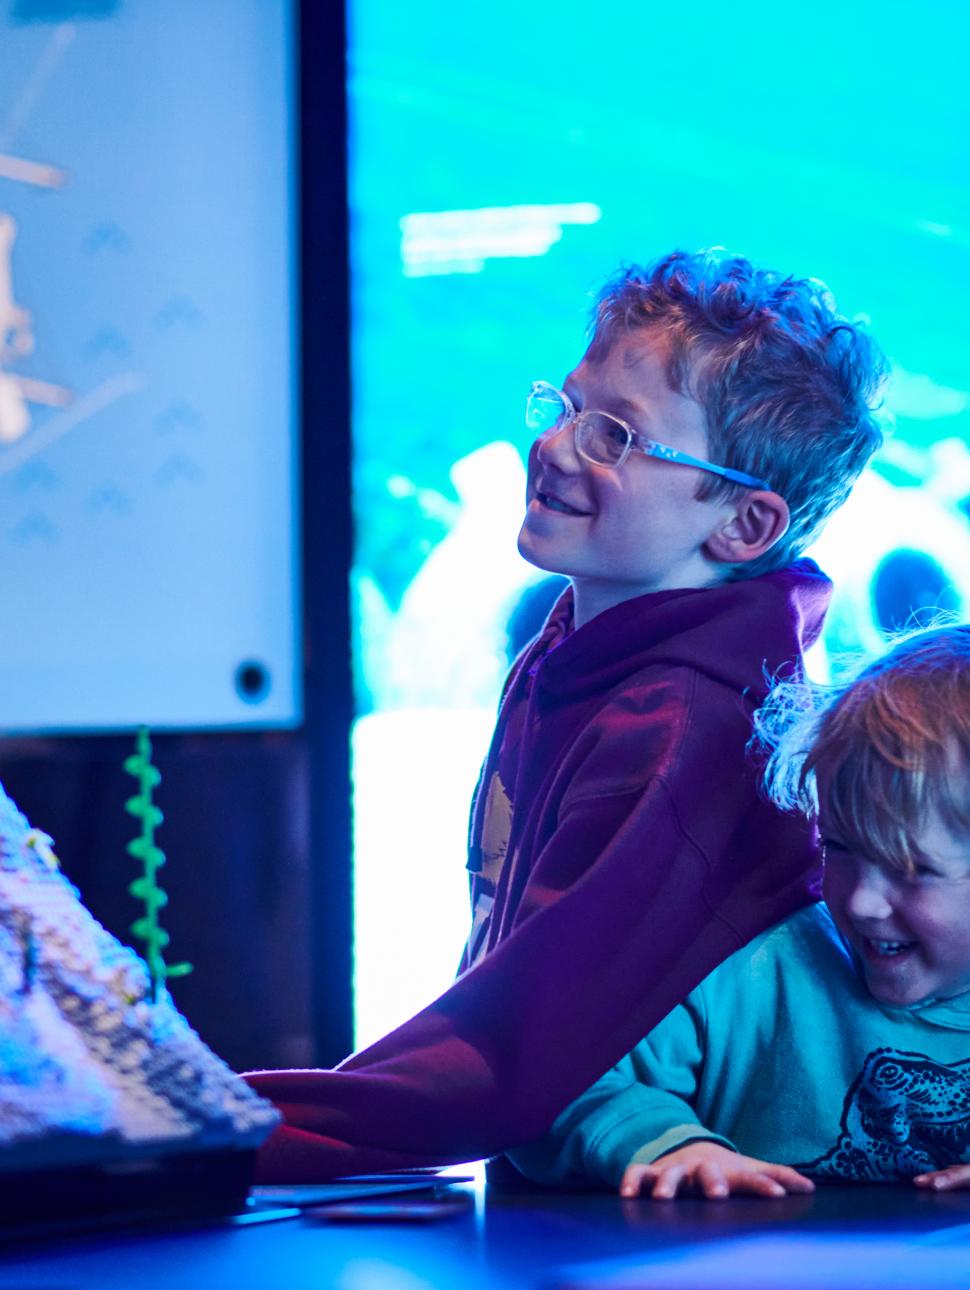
905,1115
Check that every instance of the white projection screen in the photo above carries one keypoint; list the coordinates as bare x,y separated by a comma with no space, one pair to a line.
148,458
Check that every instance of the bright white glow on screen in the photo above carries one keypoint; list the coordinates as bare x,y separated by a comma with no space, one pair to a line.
446,642
931,226
414,772
417,756
877,521
913,394
438,242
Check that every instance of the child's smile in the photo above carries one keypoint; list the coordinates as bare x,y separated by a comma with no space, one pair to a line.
619,533
910,931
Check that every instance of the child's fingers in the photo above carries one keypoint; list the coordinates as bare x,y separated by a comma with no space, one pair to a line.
790,1179
711,1180
634,1178
735,1175
952,1179
750,1182
668,1182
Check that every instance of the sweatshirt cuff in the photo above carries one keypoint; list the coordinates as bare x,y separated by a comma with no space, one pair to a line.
679,1136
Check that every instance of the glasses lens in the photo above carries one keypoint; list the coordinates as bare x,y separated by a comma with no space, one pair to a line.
544,409
601,439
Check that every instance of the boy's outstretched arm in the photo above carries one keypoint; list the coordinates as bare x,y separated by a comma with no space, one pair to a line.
708,1169
625,910
955,1178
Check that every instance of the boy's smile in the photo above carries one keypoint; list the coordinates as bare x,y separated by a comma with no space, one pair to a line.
909,932
554,503
619,533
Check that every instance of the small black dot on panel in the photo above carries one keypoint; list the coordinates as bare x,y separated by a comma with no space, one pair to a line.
252,681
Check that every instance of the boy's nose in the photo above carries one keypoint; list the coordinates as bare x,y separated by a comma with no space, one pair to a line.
558,448
869,896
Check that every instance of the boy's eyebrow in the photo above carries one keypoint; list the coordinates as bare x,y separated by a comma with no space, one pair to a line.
629,409
618,406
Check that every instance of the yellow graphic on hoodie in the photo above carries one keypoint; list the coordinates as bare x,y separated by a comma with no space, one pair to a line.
496,830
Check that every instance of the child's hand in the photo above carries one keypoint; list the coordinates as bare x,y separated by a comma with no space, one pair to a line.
956,1178
714,1171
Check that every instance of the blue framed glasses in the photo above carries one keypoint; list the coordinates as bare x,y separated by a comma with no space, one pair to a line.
605,440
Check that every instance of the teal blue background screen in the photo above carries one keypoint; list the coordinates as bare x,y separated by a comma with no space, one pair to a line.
504,160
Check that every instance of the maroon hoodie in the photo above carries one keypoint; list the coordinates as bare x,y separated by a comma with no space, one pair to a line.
619,831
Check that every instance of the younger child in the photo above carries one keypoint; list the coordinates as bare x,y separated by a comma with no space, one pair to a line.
619,848
837,1044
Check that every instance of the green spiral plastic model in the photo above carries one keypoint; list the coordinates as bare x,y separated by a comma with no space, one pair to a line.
145,887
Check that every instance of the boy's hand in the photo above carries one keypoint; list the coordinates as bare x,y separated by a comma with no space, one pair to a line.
713,1171
956,1178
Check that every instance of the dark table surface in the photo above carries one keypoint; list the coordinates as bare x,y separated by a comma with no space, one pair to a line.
860,1237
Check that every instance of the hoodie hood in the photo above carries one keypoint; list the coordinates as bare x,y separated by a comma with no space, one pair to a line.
737,633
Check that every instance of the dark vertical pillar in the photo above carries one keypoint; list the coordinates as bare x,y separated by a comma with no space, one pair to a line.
327,513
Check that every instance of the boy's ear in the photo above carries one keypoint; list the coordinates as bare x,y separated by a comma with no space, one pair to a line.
756,522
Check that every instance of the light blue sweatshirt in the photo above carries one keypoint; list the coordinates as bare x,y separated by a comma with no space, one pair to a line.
780,1053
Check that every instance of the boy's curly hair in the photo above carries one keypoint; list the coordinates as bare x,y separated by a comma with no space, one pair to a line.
788,385
889,747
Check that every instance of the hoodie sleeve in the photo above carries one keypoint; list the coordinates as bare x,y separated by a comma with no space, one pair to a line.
634,899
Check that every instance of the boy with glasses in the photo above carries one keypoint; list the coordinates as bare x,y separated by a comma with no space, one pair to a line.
619,849
836,1046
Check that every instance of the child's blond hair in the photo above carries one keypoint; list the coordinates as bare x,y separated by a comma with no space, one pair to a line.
889,747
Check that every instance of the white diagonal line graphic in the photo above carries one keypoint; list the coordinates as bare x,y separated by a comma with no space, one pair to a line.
44,68
37,173
87,406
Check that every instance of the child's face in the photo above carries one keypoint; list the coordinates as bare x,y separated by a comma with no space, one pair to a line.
620,533
910,932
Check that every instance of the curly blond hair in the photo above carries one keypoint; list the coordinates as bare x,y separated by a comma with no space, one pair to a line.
887,748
